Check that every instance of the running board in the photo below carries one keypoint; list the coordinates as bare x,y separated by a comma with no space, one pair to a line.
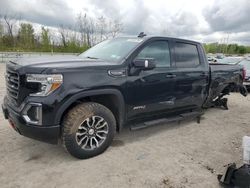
188,115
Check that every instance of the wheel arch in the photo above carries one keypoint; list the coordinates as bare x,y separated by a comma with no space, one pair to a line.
97,96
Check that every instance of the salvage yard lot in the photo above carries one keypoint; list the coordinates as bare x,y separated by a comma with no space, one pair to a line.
174,155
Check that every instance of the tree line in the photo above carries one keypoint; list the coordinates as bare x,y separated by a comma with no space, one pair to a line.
226,48
17,35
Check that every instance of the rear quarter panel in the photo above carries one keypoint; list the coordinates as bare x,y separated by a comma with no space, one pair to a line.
222,75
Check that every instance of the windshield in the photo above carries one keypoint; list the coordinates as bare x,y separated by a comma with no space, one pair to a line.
112,50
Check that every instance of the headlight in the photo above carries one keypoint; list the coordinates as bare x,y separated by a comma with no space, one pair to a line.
48,82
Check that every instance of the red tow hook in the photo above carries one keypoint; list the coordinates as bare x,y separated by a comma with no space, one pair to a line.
12,124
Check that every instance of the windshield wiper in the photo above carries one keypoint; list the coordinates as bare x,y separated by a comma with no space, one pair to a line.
92,57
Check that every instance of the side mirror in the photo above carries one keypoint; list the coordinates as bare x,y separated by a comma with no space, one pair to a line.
144,64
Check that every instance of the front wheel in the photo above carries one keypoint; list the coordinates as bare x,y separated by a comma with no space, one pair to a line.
88,130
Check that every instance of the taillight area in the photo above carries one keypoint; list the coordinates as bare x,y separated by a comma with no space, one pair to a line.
244,73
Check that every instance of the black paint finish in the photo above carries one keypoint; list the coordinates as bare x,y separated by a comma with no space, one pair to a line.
139,93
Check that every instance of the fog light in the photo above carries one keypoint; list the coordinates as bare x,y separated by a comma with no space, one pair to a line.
32,113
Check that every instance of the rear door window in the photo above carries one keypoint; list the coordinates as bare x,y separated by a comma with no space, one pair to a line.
186,55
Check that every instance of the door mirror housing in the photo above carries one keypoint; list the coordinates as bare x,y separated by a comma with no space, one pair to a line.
144,64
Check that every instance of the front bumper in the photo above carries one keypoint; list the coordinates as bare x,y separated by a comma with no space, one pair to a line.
49,134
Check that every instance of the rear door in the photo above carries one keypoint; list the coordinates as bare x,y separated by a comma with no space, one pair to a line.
192,74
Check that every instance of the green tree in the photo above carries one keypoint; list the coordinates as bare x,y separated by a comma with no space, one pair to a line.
1,30
241,50
1,36
26,37
211,48
227,49
7,42
232,48
45,40
247,49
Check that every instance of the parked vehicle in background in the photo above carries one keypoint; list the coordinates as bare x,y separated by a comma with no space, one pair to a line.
136,81
246,65
219,56
211,59
225,60
231,60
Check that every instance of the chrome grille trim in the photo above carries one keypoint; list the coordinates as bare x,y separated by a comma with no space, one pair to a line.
12,83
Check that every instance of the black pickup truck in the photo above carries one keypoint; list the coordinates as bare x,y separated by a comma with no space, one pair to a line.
137,81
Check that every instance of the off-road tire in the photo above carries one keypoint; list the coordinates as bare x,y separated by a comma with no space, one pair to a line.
73,120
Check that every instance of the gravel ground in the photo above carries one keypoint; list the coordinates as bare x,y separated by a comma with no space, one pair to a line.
173,155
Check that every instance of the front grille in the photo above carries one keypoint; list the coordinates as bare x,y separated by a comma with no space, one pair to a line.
12,83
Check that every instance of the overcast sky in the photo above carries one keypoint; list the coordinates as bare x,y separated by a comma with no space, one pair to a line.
202,20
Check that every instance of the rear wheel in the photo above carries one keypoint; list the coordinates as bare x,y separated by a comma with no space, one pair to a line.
88,130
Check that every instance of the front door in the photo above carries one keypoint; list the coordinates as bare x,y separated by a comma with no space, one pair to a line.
152,90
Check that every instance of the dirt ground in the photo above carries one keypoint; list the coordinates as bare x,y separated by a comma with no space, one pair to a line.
172,155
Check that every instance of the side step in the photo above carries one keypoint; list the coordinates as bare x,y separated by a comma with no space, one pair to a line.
188,115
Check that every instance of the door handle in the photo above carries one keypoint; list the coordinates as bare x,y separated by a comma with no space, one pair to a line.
203,74
170,76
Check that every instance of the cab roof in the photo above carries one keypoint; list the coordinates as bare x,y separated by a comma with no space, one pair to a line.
144,38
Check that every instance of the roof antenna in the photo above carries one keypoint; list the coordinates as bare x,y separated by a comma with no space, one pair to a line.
141,35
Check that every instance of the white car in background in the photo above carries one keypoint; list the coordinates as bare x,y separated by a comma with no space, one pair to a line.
231,60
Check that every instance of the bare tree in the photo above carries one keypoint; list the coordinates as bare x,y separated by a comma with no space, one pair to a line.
10,22
102,28
87,29
92,31
82,24
115,27
64,34
69,37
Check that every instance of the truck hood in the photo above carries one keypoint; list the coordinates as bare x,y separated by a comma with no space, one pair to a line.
63,61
